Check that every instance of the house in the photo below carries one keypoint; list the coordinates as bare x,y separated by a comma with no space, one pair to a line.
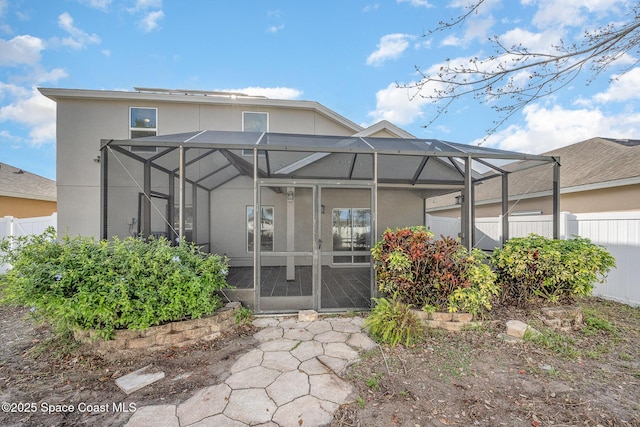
597,175
291,192
24,194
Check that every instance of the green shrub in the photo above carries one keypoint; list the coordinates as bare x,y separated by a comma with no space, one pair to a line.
535,268
108,285
432,274
392,322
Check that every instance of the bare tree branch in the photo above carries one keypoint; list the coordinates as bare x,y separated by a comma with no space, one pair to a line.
513,77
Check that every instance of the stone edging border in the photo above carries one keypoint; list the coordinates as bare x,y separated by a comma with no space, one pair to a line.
448,321
162,337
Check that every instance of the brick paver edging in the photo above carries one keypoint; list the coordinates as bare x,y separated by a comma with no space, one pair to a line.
174,334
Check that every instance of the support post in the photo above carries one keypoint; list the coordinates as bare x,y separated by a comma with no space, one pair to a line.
556,198
171,217
146,201
104,179
181,195
291,228
467,207
505,208
194,213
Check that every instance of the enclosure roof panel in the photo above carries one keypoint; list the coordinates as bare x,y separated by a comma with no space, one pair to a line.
323,156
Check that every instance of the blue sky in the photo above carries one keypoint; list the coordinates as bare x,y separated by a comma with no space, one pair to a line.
347,55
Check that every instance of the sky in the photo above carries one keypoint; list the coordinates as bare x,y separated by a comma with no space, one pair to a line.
358,58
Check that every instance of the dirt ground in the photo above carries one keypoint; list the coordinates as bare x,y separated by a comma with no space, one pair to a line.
587,377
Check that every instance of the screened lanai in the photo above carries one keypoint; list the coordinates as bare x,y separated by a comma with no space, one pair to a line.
296,215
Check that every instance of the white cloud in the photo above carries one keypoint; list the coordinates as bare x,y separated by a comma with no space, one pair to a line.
623,88
145,5
79,39
396,105
540,42
417,3
546,129
391,46
98,4
20,50
275,28
150,21
269,92
563,13
34,111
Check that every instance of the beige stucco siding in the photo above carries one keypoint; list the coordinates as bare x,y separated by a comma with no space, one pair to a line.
25,208
82,123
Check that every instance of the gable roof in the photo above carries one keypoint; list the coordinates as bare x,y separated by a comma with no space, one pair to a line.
384,129
597,161
588,165
204,97
15,182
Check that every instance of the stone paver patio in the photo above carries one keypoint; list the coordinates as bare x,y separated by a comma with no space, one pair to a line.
290,379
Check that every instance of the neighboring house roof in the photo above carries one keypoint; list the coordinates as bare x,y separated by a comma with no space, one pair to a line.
205,97
588,165
15,182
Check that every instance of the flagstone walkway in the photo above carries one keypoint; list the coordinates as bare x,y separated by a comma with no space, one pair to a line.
291,379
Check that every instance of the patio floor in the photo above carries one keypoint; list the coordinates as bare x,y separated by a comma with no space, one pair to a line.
343,287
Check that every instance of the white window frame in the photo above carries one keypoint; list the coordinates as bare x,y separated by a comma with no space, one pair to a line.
153,129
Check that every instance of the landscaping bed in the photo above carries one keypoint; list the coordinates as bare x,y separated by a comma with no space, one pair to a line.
463,378
584,377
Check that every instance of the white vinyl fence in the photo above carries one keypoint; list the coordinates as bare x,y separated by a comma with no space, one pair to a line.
619,232
16,227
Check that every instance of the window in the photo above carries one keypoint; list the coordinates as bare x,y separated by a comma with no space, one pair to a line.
351,233
254,122
266,229
143,122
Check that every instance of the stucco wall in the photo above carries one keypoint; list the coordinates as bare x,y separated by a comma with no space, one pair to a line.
82,123
25,208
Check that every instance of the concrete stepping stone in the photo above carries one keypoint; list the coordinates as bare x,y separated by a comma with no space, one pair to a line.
306,411
314,367
319,327
345,326
251,406
248,360
330,387
218,421
340,350
205,403
281,344
268,333
156,415
280,361
307,350
334,364
265,322
361,342
256,377
332,336
289,386
298,334
138,379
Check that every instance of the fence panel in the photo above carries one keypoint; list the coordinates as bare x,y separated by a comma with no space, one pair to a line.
619,232
16,227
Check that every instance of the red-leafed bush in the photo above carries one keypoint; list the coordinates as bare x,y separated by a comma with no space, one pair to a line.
429,274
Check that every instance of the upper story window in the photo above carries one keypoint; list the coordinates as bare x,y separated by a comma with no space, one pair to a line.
254,122
143,122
